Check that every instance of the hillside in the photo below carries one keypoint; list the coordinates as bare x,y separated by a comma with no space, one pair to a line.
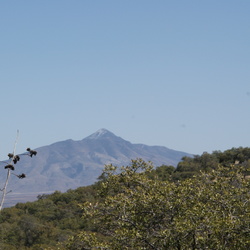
214,202
70,164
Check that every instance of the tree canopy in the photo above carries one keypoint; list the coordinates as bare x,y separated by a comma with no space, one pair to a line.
210,211
203,203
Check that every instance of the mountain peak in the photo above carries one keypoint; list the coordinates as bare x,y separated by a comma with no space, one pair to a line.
70,164
100,133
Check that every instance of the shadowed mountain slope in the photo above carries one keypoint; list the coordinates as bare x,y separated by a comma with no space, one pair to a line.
69,164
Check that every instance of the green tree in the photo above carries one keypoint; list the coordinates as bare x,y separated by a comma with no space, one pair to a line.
211,211
162,173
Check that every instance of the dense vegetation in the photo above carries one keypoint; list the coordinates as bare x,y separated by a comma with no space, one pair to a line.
203,203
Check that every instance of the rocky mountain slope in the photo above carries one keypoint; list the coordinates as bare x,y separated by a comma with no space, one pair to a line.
69,164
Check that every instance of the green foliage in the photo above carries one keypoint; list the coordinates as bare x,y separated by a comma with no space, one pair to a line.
162,173
233,155
190,166
201,204
46,222
211,211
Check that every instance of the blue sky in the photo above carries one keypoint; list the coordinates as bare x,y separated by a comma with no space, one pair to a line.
169,73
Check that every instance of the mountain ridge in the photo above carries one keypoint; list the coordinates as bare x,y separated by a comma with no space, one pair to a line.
70,164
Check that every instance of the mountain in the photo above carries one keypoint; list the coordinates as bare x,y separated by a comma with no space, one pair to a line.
69,164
